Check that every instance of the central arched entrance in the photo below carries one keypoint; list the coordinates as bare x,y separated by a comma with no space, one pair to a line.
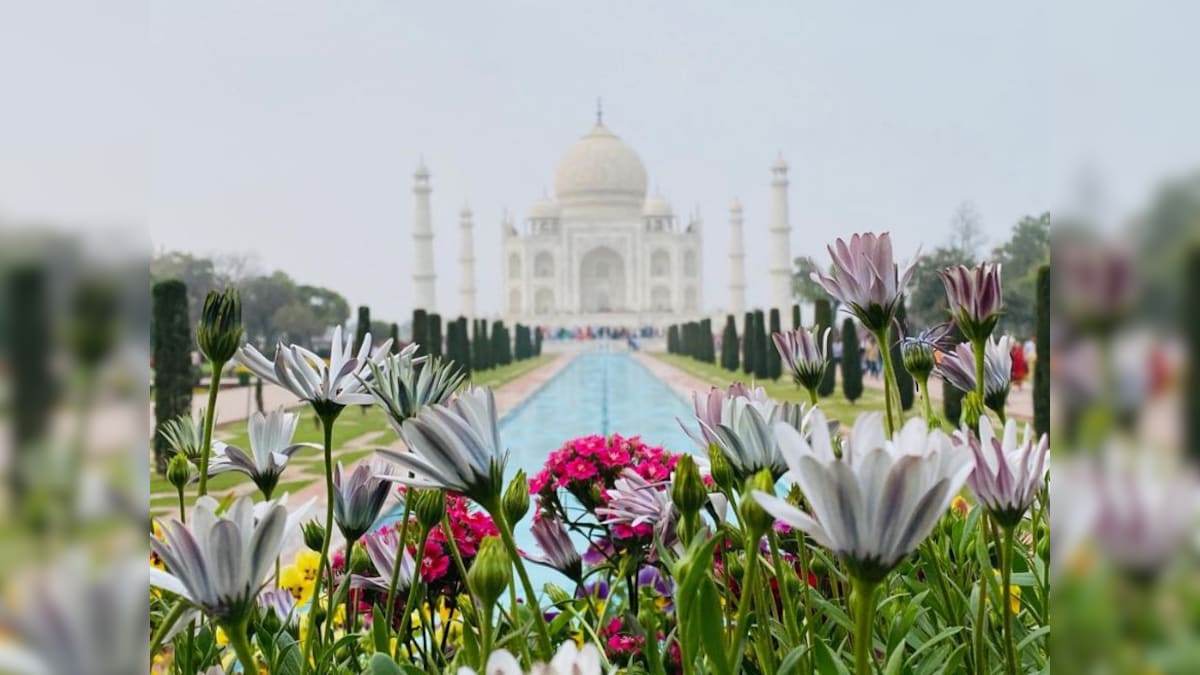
601,281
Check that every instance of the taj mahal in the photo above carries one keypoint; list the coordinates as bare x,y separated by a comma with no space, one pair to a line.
602,250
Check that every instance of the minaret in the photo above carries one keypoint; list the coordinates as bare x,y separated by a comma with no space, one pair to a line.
466,264
424,277
737,256
781,244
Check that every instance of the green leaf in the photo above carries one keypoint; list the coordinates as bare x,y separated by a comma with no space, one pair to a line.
382,664
791,662
711,623
379,631
826,662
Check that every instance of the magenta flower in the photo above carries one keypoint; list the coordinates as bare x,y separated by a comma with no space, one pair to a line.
804,355
975,298
866,278
958,368
1008,473
634,501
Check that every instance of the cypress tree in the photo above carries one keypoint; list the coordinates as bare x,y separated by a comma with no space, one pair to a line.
796,316
363,326
904,379
28,339
524,348
481,344
1041,366
420,330
823,318
707,348
395,335
173,378
761,363
774,361
673,339
537,341
852,376
729,345
462,341
435,335
689,339
501,345
748,343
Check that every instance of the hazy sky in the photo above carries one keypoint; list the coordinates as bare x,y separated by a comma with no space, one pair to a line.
290,130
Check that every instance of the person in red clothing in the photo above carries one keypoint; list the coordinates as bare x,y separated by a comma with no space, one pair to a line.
1020,369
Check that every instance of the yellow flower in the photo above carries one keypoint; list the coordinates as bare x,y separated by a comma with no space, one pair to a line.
1014,594
307,561
960,506
222,638
294,581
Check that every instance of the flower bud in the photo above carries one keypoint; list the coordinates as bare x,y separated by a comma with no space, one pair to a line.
688,492
557,594
430,507
722,472
516,498
314,535
972,410
219,332
917,357
491,572
360,563
179,471
754,518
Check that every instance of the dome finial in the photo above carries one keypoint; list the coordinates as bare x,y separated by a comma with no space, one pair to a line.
599,110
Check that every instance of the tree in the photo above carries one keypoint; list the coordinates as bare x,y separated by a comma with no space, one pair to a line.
524,348
262,297
673,339
774,361
852,376
481,356
803,286
1041,365
927,296
420,330
704,336
1022,255
729,345
435,335
463,357
29,345
952,396
197,274
796,325
904,379
823,318
362,326
173,378
966,230
748,343
394,333
501,345
537,341
296,322
761,363
1170,219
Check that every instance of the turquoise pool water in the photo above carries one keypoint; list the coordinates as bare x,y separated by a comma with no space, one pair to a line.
597,393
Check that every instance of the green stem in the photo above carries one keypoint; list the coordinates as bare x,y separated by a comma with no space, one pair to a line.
327,424
805,591
351,615
241,645
812,395
164,627
1006,560
864,618
926,404
214,385
790,622
539,621
980,359
889,378
401,548
743,616
182,507
485,636
980,610
410,602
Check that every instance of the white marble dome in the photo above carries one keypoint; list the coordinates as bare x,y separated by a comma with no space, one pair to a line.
657,207
544,208
600,168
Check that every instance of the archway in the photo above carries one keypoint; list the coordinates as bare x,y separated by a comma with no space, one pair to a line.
601,281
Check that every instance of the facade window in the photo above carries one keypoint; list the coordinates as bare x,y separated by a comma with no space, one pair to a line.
543,265
544,301
689,263
660,264
514,301
514,266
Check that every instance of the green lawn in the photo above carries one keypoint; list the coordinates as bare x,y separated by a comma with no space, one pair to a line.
835,406
353,423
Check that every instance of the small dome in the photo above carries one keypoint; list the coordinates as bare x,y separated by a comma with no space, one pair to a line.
544,208
465,212
735,205
657,207
600,167
779,165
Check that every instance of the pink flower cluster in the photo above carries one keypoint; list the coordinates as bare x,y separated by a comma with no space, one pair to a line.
587,466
